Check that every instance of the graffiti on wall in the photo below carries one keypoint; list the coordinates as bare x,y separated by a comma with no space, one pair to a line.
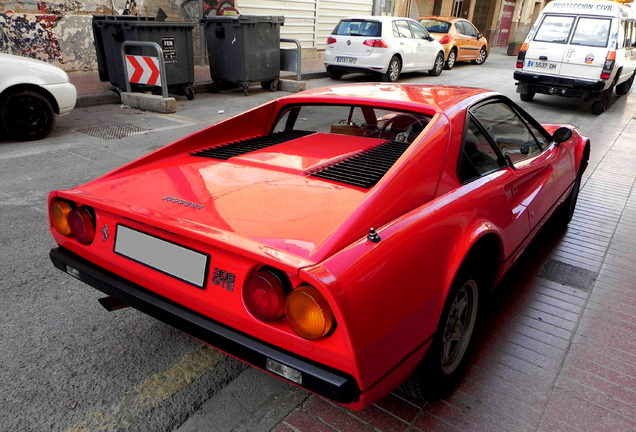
30,35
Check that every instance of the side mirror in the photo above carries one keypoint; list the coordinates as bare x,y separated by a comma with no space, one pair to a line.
479,36
562,134
430,38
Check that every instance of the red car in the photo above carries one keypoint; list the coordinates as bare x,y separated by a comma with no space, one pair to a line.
336,238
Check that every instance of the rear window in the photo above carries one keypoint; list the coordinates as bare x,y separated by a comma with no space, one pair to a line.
591,32
358,28
435,26
586,31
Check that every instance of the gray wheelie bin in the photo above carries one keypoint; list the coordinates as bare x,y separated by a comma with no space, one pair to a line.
243,49
174,38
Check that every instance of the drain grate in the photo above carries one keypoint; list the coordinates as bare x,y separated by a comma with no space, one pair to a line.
566,274
115,131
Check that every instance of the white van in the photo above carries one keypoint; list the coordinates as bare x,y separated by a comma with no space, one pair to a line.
579,48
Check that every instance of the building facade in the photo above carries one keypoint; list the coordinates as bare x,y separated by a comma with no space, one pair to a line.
61,33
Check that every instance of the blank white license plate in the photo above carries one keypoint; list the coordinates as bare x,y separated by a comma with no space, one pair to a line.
172,259
351,60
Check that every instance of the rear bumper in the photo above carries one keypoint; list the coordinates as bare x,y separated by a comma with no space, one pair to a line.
317,378
568,87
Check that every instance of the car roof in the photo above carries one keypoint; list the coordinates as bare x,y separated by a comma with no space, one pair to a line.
444,18
416,97
380,18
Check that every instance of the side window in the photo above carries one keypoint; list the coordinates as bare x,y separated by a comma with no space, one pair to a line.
419,31
403,29
470,30
478,156
515,138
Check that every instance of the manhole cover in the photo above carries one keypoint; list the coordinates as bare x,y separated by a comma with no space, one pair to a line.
567,274
115,131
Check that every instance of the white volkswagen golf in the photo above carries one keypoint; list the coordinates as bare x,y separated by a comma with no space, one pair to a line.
382,45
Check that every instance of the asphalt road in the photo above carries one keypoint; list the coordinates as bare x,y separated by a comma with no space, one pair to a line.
68,365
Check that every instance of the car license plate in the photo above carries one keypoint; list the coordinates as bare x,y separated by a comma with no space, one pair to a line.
351,60
177,261
541,65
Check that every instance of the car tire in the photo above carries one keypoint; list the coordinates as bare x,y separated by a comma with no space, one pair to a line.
527,96
599,106
447,357
623,88
27,115
439,65
565,213
481,57
334,74
450,61
393,71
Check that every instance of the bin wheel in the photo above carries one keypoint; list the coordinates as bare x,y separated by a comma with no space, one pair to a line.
271,85
215,87
246,88
189,92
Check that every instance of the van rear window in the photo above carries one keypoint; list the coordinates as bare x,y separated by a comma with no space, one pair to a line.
588,31
554,28
591,32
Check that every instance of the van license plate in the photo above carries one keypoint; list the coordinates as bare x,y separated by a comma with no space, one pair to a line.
541,65
351,60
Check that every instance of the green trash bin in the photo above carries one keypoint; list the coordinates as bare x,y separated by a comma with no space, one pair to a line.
243,49
174,38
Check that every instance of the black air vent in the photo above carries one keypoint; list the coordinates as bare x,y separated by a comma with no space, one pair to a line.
237,148
363,169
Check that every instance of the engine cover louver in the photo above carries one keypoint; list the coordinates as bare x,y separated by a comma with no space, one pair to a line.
240,147
363,169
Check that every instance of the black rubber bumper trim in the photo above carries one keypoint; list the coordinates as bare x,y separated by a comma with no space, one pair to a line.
322,380
538,81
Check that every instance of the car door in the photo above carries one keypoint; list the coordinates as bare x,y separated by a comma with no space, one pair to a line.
406,44
467,42
426,50
542,173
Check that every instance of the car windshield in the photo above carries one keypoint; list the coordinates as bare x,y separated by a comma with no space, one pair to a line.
364,121
358,28
435,26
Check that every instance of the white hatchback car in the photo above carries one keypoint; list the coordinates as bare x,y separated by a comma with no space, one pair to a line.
382,44
32,92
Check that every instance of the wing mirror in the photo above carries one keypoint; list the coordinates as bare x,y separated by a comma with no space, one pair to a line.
562,134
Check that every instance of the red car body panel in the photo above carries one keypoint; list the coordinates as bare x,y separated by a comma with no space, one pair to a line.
262,209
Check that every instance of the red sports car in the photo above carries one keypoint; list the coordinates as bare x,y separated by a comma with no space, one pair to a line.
342,239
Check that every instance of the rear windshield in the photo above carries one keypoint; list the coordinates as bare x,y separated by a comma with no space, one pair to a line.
358,28
588,31
435,26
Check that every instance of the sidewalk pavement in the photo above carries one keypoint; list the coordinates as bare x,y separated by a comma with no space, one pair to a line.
557,352
91,91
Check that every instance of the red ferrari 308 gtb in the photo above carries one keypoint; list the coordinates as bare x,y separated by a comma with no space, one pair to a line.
342,239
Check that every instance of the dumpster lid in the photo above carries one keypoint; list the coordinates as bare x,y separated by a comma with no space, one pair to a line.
245,19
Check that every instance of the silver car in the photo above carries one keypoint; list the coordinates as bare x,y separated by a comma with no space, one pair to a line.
383,45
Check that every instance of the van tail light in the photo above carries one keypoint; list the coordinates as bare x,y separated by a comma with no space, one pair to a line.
375,43
331,40
446,39
308,313
608,65
521,57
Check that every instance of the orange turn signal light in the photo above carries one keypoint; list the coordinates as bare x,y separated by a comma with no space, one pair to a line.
58,212
308,313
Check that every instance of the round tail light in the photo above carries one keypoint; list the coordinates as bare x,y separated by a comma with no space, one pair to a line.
82,225
308,313
58,212
264,295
